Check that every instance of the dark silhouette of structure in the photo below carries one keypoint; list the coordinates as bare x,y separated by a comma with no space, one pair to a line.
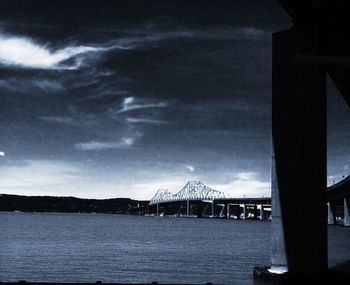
315,46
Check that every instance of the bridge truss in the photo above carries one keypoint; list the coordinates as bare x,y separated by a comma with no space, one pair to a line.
193,190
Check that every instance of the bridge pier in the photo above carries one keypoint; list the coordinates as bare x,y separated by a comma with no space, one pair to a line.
199,209
244,211
238,212
222,210
188,208
262,213
157,209
227,211
212,209
331,213
299,142
347,212
255,211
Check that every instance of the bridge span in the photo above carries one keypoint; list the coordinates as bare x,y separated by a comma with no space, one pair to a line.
197,200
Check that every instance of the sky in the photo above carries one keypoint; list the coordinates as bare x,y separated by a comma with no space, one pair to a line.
105,99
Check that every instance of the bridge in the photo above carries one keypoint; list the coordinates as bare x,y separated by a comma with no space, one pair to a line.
199,200
202,196
338,197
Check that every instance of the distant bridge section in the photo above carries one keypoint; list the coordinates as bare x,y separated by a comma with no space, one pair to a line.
196,190
193,190
162,196
339,190
338,196
197,197
196,194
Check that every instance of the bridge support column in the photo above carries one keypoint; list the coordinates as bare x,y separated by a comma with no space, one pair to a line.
262,213
330,220
299,141
157,209
188,208
212,209
244,211
227,211
199,209
347,212
278,253
255,212
238,207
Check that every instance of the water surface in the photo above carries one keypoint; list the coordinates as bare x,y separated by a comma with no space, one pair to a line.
121,248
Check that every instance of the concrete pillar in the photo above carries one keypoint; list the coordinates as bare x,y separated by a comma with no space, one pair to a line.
212,209
228,211
199,209
346,212
188,208
157,209
222,211
262,212
330,220
255,212
278,252
238,212
244,211
299,140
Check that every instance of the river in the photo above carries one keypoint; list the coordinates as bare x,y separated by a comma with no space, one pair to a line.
122,248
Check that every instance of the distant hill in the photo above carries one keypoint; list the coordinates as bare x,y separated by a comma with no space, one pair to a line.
68,204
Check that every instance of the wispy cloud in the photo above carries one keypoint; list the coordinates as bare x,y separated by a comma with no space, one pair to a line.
27,53
190,168
58,119
48,85
73,117
129,104
109,93
144,121
25,85
126,142
139,38
82,120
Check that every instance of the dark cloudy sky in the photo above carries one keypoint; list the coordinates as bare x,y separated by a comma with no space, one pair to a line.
119,98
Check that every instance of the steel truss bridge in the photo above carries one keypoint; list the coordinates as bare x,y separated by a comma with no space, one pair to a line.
193,190
198,194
